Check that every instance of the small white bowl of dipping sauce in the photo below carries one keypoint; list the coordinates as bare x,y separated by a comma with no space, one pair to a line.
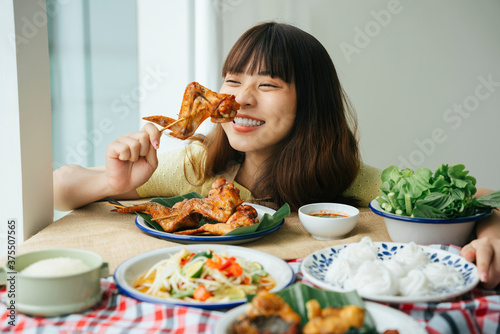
328,221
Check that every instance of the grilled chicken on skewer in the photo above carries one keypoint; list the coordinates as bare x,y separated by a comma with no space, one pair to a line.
198,104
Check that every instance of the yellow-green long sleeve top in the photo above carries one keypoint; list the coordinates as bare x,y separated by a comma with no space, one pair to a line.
169,178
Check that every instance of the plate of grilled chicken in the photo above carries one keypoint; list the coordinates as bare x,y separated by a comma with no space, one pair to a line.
300,308
221,217
208,238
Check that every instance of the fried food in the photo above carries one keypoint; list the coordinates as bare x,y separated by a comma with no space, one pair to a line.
245,215
220,204
223,205
159,212
198,104
332,319
268,313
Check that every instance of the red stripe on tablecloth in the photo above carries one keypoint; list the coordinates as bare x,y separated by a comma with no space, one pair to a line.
431,330
180,318
471,324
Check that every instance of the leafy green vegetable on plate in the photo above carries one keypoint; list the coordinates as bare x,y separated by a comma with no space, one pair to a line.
266,222
447,193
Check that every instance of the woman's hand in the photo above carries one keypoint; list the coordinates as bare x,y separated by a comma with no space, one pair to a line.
130,162
485,250
486,253
132,159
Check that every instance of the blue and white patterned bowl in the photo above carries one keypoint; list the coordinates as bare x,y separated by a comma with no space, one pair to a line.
315,266
425,231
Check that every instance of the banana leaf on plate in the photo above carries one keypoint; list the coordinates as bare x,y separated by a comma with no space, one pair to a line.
298,294
266,222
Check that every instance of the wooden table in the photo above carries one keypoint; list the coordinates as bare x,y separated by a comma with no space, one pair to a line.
116,238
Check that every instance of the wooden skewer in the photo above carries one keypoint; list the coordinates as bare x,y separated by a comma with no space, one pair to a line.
158,218
116,205
172,124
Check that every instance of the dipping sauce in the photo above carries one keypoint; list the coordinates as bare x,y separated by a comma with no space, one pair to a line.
328,214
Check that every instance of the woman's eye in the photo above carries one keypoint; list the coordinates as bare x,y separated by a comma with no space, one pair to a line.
268,85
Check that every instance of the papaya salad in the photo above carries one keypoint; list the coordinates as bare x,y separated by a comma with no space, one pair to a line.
204,277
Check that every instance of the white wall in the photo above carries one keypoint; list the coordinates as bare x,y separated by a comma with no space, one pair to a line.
408,67
417,72
182,39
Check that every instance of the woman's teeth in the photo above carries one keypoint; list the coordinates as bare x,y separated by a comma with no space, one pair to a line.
247,122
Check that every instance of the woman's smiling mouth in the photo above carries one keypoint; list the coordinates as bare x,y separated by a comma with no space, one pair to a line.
247,121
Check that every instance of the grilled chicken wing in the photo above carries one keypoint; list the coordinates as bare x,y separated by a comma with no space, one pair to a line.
198,104
268,313
268,303
332,319
158,211
220,204
245,215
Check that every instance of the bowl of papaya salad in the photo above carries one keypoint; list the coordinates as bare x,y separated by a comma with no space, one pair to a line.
203,275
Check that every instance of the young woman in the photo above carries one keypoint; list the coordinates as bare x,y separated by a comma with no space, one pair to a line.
293,141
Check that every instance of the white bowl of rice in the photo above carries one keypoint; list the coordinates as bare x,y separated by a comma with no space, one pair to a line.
54,282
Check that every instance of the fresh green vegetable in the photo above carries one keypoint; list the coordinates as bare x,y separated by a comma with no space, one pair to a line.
194,270
182,294
257,265
208,255
448,193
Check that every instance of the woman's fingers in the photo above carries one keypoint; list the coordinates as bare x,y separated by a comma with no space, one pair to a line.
117,149
152,158
483,252
469,253
133,146
127,148
144,142
487,261
154,134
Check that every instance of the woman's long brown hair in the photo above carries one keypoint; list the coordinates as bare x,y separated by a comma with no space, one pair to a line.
320,158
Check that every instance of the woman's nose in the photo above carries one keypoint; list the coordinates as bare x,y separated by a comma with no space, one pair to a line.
246,97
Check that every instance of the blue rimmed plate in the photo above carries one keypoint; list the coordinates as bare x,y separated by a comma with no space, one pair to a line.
315,266
196,239
129,270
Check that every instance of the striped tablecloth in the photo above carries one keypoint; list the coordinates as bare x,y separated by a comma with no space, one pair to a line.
475,312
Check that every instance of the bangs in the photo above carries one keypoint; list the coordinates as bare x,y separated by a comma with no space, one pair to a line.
262,50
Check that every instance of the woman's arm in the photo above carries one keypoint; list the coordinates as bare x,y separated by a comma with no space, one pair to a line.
485,250
130,162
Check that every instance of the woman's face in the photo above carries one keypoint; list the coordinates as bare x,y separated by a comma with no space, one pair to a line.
267,112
